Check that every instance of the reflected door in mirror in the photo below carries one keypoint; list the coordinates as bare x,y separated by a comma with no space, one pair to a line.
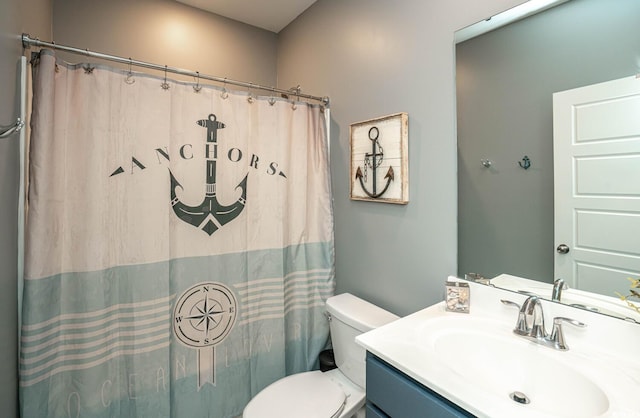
597,185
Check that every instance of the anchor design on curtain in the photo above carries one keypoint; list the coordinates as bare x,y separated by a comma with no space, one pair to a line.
210,215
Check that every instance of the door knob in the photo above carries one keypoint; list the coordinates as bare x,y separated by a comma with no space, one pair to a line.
562,249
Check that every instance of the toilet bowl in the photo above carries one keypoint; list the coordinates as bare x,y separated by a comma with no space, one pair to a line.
337,393
311,395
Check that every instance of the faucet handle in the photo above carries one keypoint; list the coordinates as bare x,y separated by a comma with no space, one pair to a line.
560,319
521,325
510,303
557,335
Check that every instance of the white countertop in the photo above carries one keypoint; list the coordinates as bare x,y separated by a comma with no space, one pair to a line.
606,351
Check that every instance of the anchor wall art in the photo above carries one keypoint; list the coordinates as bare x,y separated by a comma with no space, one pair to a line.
379,159
179,246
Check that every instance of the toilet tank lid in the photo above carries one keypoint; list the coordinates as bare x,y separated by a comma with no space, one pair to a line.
358,313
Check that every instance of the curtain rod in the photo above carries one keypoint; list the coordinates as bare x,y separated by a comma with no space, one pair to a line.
27,41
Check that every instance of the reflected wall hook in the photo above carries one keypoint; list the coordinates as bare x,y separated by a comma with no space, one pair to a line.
526,161
486,163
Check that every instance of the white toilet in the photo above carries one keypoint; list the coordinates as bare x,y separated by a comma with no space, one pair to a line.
337,393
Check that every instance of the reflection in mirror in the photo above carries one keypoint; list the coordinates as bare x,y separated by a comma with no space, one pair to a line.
559,292
505,82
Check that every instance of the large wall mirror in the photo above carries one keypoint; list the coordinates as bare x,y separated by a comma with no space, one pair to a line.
505,82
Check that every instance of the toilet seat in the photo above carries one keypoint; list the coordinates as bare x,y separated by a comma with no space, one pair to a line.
309,395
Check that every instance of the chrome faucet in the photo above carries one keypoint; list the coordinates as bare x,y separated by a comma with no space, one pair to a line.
531,319
558,286
530,324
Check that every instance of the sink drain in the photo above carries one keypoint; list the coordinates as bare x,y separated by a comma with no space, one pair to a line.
519,397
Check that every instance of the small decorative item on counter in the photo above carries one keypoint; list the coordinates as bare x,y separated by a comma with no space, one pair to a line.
457,297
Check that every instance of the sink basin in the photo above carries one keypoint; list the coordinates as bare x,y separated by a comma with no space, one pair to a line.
512,368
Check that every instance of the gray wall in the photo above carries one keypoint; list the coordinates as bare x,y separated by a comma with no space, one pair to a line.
373,58
168,33
505,83
16,17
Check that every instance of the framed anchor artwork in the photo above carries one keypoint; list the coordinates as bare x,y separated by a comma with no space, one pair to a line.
379,159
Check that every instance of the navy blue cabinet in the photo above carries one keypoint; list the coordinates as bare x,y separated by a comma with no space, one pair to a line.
393,394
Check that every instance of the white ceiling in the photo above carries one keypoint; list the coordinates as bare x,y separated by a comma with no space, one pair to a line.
272,15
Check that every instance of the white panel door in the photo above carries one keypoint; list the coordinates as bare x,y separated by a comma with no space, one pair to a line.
596,140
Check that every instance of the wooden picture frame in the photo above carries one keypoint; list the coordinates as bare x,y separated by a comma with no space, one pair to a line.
380,159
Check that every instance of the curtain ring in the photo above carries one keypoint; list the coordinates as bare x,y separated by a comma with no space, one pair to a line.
165,85
272,100
294,106
197,87
224,93
88,69
129,78
250,98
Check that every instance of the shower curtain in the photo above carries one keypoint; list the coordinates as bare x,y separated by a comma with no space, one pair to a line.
179,246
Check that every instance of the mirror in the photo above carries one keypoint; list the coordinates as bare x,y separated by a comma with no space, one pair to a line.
505,80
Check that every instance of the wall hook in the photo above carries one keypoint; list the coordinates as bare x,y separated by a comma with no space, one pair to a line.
486,163
526,161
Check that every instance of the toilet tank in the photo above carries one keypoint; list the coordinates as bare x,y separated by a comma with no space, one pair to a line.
350,317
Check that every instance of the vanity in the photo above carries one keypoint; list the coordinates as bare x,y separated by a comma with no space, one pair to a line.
391,393
436,363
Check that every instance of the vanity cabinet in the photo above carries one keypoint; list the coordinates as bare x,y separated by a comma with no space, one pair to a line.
393,394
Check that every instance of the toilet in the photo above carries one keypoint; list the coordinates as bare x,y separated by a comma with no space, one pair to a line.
337,393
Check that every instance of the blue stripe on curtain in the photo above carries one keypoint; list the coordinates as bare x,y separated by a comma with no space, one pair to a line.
280,311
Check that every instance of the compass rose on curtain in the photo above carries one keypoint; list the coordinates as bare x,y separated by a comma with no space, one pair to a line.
203,317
